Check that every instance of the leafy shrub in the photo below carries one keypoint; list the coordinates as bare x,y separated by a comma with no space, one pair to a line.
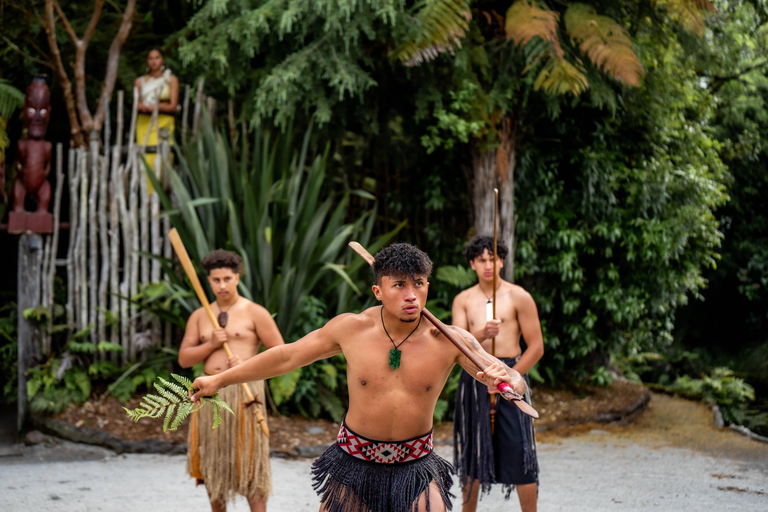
9,351
721,387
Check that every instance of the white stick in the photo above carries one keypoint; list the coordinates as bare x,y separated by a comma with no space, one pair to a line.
92,278
71,252
137,177
82,241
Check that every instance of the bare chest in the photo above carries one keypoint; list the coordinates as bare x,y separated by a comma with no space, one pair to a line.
417,367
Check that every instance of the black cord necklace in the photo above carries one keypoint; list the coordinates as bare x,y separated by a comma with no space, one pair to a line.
394,353
223,316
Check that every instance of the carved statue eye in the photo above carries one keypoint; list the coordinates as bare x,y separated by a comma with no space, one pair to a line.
43,111
31,111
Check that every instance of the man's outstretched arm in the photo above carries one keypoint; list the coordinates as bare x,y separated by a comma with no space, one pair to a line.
279,360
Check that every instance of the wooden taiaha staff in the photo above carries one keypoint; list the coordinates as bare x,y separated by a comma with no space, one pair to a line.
505,389
493,304
189,269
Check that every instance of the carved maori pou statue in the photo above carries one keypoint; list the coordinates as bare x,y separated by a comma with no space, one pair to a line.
34,164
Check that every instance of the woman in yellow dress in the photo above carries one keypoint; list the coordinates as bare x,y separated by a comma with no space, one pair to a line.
158,89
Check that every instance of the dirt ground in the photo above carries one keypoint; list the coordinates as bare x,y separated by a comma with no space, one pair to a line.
559,409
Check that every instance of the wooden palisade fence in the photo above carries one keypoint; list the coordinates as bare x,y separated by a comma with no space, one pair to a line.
115,229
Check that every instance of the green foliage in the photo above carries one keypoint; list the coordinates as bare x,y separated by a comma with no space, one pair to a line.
174,403
311,56
451,123
9,351
672,372
601,377
321,387
721,387
10,99
618,226
271,205
170,301
736,75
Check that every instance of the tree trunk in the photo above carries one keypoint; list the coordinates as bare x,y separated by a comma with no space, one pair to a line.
80,118
496,169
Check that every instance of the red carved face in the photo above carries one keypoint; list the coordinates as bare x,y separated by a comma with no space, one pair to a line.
37,109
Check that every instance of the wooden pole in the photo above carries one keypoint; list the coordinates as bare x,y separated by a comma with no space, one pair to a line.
30,261
72,168
493,304
83,239
189,269
92,274
453,336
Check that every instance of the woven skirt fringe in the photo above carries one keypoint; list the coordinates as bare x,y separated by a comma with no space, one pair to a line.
473,452
233,458
348,484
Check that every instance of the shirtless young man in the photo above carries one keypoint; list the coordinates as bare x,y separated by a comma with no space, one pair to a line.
383,459
510,453
212,456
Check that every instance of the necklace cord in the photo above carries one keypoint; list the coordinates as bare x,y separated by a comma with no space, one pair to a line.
397,347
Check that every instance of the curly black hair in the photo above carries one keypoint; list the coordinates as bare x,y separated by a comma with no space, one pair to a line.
480,243
399,260
223,259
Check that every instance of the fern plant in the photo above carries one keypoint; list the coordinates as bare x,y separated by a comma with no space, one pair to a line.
174,402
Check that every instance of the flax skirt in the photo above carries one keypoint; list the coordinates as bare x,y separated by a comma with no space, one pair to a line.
233,458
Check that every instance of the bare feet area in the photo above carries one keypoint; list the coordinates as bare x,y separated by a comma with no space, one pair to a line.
598,450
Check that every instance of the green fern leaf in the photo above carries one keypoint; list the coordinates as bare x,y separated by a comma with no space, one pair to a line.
168,416
605,42
456,275
216,417
174,403
561,77
526,21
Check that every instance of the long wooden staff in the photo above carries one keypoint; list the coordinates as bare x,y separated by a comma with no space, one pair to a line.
493,305
189,268
453,336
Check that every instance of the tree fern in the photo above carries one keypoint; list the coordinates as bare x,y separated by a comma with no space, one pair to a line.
688,13
525,21
174,399
560,77
440,24
605,42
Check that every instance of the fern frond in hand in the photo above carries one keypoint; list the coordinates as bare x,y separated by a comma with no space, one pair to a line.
173,402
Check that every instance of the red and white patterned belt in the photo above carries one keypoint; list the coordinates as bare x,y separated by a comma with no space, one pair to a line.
384,452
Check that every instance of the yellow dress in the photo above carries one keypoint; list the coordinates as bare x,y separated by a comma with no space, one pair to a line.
153,92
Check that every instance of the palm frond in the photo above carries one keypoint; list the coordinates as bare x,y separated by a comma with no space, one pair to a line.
526,21
10,98
560,77
439,27
456,275
689,13
174,404
605,42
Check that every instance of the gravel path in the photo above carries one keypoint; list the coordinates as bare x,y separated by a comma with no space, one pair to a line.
652,464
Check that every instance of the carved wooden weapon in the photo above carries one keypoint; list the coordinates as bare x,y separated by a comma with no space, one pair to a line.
453,336
189,268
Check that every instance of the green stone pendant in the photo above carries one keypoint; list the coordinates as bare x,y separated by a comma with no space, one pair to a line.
394,358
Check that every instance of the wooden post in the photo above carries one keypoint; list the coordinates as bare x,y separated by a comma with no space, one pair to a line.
29,273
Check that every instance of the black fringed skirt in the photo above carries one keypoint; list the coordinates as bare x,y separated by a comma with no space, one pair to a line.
362,475
508,456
